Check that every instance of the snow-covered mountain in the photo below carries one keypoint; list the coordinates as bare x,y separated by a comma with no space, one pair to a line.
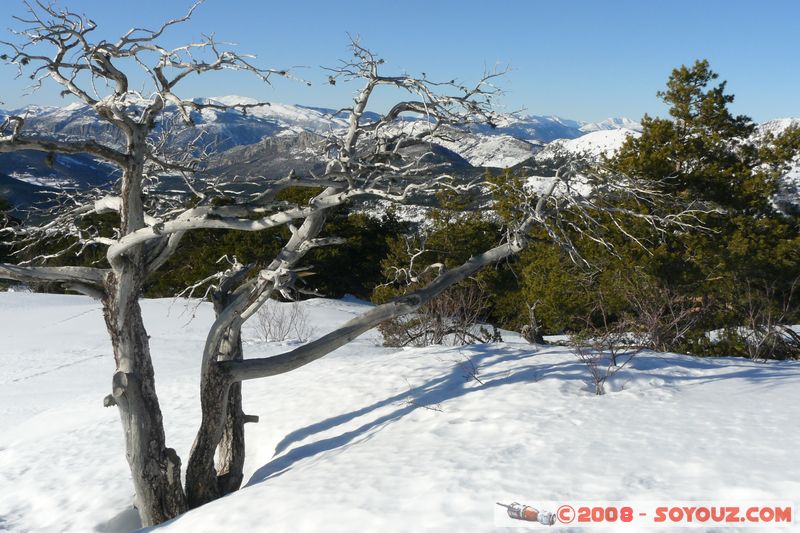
222,129
497,151
239,137
292,117
611,124
601,142
219,129
777,126
276,137
233,127
547,128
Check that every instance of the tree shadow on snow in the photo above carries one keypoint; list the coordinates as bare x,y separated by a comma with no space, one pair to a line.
655,366
487,359
122,522
436,391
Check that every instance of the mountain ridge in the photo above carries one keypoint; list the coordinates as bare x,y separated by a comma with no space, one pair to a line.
277,137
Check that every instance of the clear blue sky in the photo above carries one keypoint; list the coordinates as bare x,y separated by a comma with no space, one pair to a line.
577,59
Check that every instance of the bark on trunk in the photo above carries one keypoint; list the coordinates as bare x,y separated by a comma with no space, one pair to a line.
156,469
222,424
202,485
230,456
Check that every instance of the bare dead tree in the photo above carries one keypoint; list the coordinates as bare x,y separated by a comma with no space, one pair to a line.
368,158
61,46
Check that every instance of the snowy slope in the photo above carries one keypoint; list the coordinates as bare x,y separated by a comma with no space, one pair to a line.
376,439
293,117
547,128
777,126
611,124
496,151
789,193
593,145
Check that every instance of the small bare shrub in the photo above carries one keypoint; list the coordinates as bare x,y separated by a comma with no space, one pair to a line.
767,333
605,349
451,318
661,318
600,364
277,322
469,368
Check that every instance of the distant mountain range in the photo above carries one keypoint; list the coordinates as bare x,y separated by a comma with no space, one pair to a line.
229,128
273,139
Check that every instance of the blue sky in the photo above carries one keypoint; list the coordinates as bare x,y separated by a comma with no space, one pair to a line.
577,59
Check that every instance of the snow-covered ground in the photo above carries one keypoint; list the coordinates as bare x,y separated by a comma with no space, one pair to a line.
592,145
378,439
496,151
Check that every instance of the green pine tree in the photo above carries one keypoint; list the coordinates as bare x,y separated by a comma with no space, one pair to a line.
706,154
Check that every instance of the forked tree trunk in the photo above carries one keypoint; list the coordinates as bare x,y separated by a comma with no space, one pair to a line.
222,425
221,430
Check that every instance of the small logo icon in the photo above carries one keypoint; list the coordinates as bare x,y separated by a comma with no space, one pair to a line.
565,514
517,511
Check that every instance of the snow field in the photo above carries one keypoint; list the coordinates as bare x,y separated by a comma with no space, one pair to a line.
378,439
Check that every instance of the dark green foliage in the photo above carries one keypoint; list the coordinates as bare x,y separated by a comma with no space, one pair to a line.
690,282
349,268
353,267
456,231
201,254
703,149
5,217
454,235
706,151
